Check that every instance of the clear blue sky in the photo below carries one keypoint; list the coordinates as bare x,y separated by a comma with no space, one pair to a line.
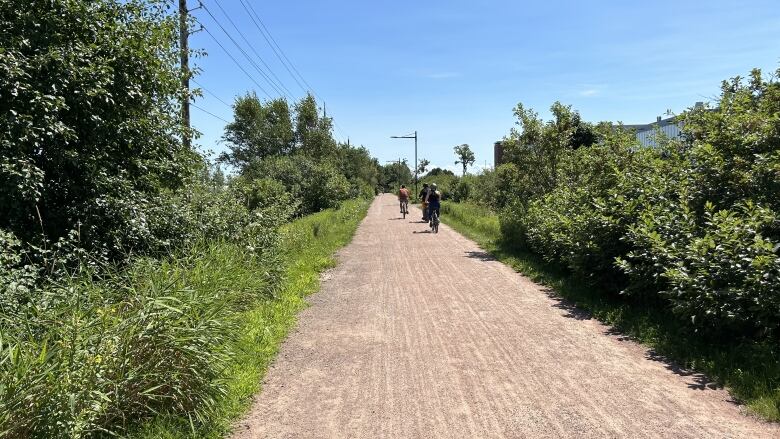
453,70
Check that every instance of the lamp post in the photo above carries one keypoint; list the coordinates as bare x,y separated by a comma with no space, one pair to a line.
409,136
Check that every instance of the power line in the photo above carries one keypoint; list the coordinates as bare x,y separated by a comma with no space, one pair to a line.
278,51
211,93
269,38
243,52
251,47
252,14
209,113
236,62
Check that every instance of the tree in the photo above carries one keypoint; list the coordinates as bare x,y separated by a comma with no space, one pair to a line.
537,147
259,130
422,166
313,134
90,126
395,174
465,156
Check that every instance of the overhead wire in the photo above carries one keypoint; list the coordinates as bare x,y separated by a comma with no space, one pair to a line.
210,92
208,112
236,62
251,47
243,52
282,56
278,51
255,18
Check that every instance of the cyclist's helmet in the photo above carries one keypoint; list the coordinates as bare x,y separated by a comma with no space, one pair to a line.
433,185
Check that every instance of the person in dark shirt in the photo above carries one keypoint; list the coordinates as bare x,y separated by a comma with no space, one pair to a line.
434,201
424,200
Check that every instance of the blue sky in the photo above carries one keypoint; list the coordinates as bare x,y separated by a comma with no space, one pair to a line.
454,70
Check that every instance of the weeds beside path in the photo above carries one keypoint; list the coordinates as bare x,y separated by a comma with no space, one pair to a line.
309,244
751,372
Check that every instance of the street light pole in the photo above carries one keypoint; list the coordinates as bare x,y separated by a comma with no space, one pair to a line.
409,136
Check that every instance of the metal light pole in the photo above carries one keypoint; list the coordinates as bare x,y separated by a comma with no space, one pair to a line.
408,136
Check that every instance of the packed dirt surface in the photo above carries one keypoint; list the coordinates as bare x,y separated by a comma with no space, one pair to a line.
421,335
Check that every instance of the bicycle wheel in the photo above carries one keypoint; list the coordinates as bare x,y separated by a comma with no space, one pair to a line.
404,211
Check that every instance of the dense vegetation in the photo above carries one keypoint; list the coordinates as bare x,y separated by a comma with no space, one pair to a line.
689,227
128,267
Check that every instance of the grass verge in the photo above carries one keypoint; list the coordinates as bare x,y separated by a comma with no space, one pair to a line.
308,247
751,371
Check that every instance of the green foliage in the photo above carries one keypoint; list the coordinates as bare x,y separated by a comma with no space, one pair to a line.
313,134
307,247
690,225
750,369
89,124
537,148
393,175
362,170
465,156
445,179
313,185
98,353
258,130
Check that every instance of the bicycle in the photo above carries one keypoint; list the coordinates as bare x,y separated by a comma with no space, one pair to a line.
404,207
434,221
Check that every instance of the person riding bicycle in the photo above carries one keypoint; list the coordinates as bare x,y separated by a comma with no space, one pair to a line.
423,196
403,198
434,201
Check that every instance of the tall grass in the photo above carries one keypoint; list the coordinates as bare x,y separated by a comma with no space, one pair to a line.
183,341
751,371
92,355
307,246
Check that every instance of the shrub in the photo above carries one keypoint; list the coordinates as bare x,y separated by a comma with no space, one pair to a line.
88,119
315,185
95,354
690,224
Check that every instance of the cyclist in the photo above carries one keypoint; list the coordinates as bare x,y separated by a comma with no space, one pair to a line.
403,198
434,201
424,199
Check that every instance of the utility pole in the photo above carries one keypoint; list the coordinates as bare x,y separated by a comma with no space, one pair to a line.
184,35
415,154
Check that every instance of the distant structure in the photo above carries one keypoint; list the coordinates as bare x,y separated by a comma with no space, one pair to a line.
498,153
646,134
669,127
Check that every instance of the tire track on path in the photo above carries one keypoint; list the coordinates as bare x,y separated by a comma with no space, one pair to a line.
475,350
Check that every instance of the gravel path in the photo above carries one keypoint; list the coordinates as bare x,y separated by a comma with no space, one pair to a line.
416,335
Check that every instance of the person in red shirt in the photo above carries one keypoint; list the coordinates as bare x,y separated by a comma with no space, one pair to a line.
403,198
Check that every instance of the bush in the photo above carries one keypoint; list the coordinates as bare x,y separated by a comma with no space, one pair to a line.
88,121
315,185
691,224
94,354
462,190
483,189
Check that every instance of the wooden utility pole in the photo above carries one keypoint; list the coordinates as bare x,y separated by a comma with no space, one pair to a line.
184,34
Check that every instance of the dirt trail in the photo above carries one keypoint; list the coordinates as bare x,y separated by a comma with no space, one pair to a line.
474,351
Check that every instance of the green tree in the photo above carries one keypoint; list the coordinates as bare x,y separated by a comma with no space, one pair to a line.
259,130
465,156
394,174
90,127
422,166
313,134
537,147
